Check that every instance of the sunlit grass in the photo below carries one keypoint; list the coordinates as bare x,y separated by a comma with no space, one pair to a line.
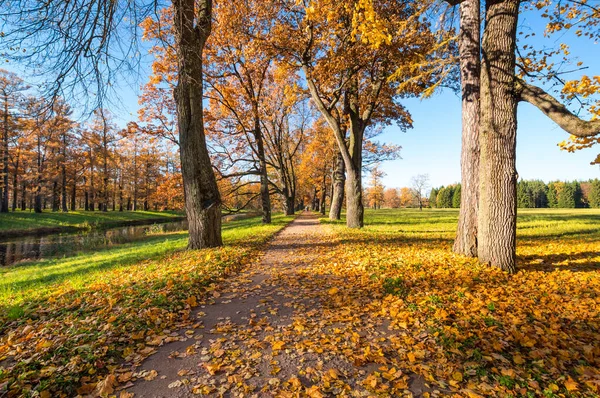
37,279
540,223
25,220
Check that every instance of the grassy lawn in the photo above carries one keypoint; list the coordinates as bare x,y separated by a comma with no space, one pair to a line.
21,220
467,328
66,323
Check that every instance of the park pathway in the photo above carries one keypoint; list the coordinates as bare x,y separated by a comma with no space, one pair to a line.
268,331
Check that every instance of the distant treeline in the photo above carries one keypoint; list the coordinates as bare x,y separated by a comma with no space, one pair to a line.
532,194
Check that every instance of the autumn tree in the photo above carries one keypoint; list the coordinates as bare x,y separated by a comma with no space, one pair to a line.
375,191
11,90
407,198
348,78
316,165
238,72
287,122
391,198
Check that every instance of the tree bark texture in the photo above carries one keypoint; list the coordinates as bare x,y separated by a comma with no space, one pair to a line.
202,198
265,199
337,194
4,191
470,68
498,128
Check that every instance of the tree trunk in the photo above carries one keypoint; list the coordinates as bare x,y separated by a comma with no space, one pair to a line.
74,194
202,198
265,198
37,205
354,206
64,190
322,200
4,190
498,128
55,196
92,198
86,196
470,68
337,195
15,184
23,196
290,202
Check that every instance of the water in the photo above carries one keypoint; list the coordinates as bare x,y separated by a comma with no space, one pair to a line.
16,250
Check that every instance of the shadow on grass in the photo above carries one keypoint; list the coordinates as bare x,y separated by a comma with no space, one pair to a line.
552,262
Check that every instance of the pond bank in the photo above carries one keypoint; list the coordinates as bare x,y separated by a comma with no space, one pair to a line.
59,229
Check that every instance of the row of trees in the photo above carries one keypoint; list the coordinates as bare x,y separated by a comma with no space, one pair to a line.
51,161
445,197
532,194
355,60
558,194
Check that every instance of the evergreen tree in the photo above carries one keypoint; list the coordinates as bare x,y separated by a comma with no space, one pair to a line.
569,196
539,192
456,197
444,198
594,199
433,197
553,194
524,196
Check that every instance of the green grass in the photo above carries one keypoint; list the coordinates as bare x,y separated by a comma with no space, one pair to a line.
22,220
27,281
538,223
98,307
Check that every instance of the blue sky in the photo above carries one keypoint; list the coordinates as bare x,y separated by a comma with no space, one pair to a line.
433,146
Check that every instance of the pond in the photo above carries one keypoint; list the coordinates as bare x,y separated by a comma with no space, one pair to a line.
27,248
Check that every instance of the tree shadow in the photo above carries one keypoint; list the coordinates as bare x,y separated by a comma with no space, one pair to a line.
560,262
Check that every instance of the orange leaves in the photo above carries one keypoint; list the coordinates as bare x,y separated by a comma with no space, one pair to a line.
153,296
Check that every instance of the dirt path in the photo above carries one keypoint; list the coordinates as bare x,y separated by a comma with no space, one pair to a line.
269,332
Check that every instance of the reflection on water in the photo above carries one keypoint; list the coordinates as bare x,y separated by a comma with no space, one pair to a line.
20,249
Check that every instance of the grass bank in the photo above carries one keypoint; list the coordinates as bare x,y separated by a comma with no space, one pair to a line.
21,223
67,323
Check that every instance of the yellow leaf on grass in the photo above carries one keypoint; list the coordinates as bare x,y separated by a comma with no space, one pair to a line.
333,290
458,376
571,385
191,301
518,359
411,356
